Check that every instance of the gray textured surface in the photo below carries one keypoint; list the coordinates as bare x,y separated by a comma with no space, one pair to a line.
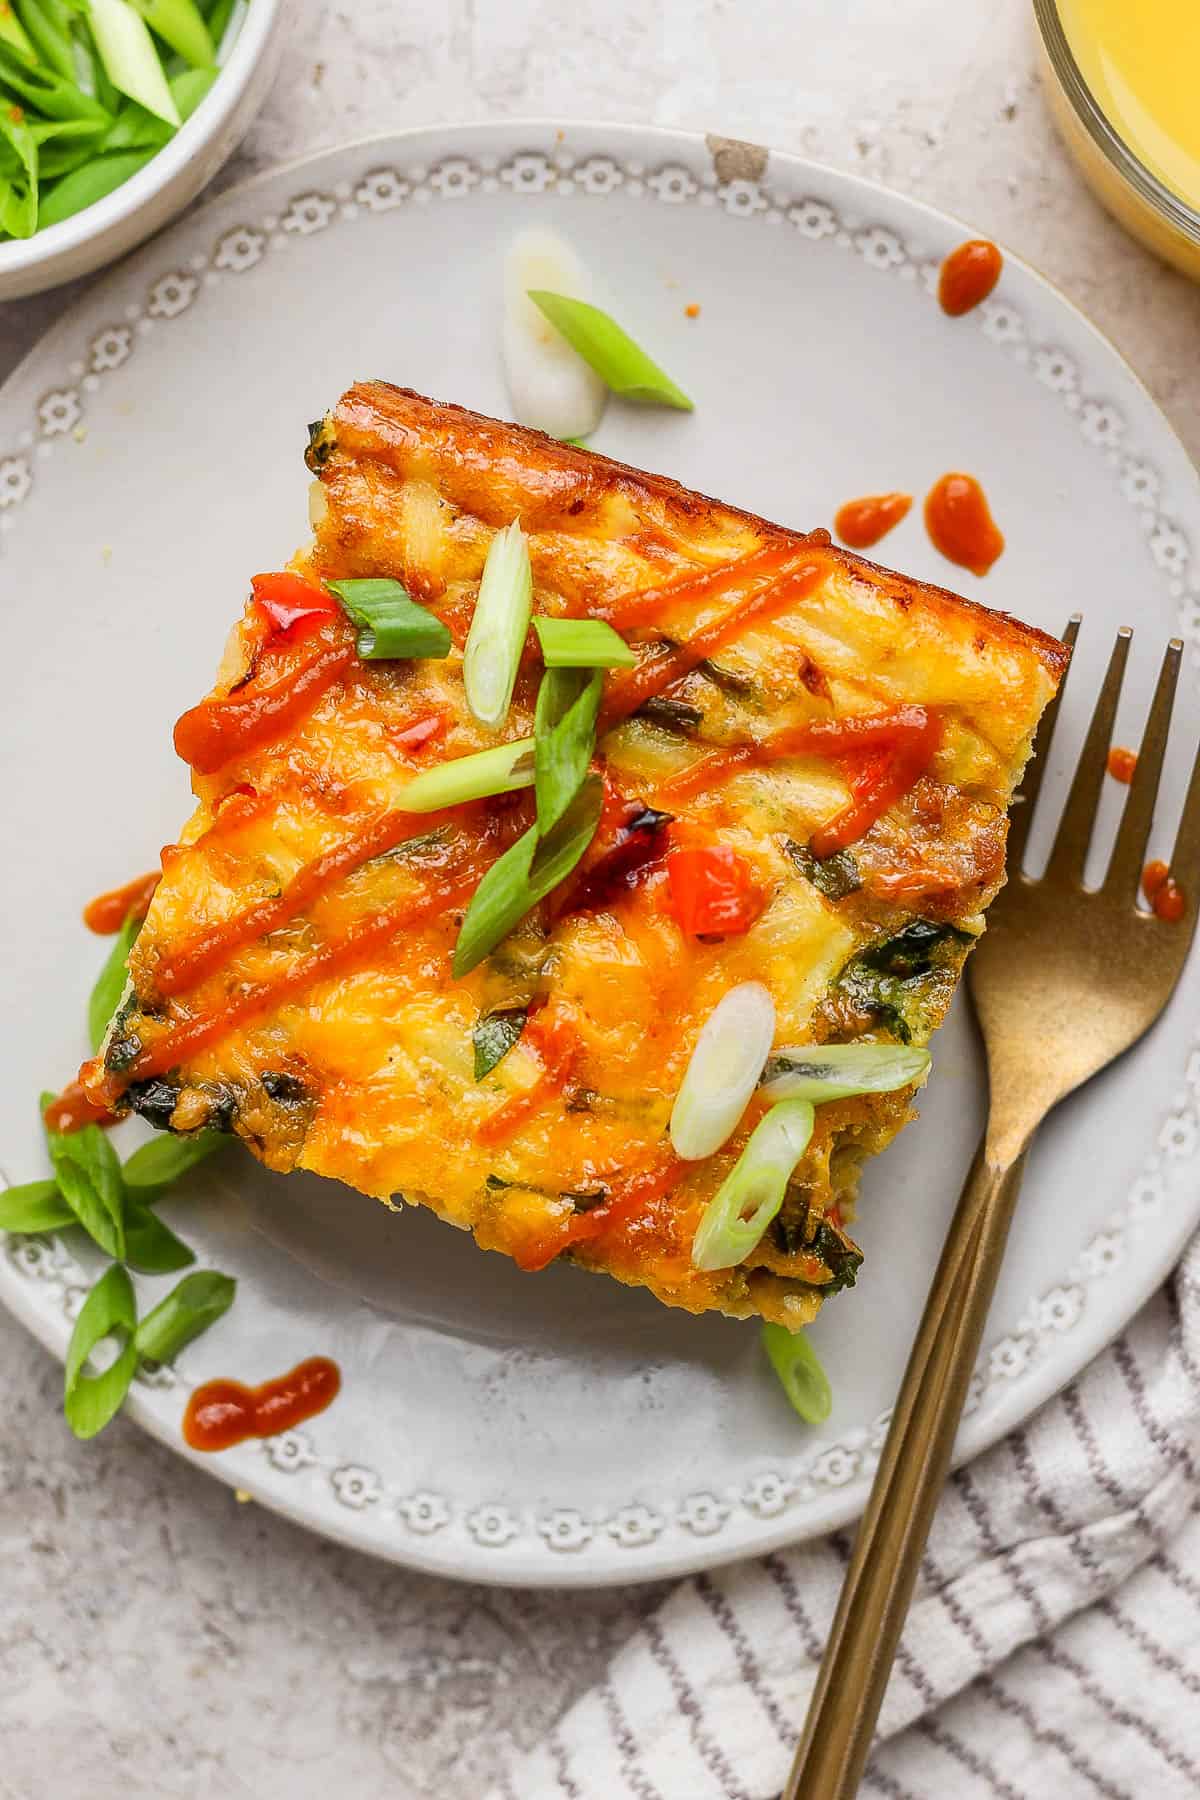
158,1639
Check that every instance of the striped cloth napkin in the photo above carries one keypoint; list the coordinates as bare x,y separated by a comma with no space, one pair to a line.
1053,1648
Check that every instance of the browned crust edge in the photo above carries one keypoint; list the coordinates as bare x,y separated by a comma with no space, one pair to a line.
401,419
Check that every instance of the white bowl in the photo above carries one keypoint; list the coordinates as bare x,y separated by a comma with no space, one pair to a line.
144,203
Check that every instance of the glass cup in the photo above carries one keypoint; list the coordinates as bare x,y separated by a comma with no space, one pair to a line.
1163,221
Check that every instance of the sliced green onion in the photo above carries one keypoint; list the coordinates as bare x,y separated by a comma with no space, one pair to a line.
835,876
46,92
723,1070
390,623
165,1158
493,1038
150,1246
582,644
110,1310
819,1072
484,772
180,24
197,1302
11,31
549,385
801,1376
34,1206
110,983
52,40
752,1193
21,199
85,185
136,129
524,875
63,137
189,87
564,736
218,21
620,363
101,87
88,1173
56,160
498,627
129,57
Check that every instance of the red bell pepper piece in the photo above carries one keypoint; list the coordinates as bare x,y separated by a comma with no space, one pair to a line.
712,891
292,606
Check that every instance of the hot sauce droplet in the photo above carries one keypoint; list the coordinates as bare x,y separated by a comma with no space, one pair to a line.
1163,892
1122,763
108,912
968,276
1169,902
960,524
861,523
223,1413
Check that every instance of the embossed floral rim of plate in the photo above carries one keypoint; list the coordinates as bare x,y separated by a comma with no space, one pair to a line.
558,1428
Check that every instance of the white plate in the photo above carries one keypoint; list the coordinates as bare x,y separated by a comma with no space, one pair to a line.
559,1428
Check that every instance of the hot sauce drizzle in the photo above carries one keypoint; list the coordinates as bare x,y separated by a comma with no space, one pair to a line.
108,912
960,525
203,954
818,737
629,1198
634,609
191,1034
885,777
886,755
630,690
556,1043
223,1413
861,523
211,734
1122,763
968,276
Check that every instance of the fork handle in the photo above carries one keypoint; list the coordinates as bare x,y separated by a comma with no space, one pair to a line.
908,1483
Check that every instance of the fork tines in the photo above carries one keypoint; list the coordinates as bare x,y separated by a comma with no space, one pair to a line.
1069,852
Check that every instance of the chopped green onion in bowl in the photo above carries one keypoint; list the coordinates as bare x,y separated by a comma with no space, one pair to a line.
723,1070
90,92
752,1193
582,644
498,627
820,1072
800,1374
130,60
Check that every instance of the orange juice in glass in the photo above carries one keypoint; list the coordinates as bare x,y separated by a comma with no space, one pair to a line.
1122,79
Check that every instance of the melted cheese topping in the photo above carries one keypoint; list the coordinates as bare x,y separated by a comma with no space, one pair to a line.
319,1017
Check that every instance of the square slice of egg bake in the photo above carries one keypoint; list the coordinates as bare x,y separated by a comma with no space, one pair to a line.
576,856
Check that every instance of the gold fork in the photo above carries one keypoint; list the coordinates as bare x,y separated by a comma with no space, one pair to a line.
1064,980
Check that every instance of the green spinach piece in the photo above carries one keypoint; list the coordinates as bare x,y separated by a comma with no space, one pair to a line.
834,876
494,1036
